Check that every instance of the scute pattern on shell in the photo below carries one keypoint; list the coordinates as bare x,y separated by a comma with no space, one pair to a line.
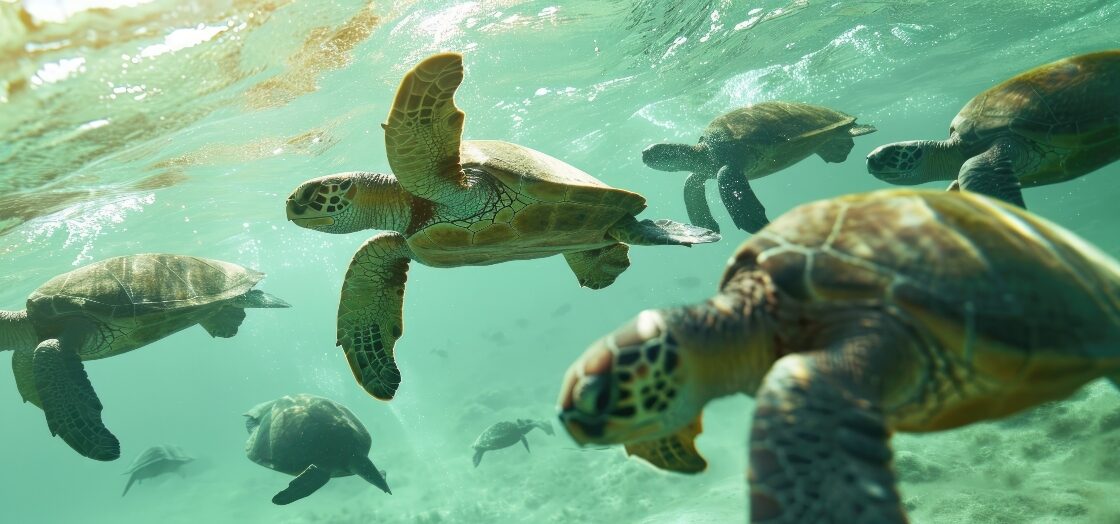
771,123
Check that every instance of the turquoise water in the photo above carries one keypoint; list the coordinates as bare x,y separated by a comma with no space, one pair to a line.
181,127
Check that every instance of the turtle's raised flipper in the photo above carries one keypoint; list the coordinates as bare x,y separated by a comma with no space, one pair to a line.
992,173
72,408
836,151
819,448
364,468
369,312
661,232
303,485
598,268
525,441
735,190
696,202
24,371
224,322
677,452
478,456
424,130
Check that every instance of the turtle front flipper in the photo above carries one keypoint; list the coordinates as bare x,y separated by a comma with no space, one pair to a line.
598,268
819,446
836,150
23,368
745,209
478,452
303,485
992,173
224,323
676,452
525,441
425,128
363,467
72,408
370,312
696,202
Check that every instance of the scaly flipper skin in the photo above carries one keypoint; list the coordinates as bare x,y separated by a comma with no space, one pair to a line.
598,268
24,369
424,130
303,485
819,447
992,173
696,202
72,408
677,452
746,210
370,312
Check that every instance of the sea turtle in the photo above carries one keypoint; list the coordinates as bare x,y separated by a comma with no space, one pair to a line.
848,319
461,203
1053,123
112,307
505,434
155,461
749,143
312,438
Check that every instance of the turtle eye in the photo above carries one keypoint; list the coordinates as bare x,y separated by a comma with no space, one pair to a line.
592,395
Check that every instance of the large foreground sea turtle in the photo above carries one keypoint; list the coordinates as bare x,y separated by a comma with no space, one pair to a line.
112,307
312,438
155,461
1053,123
505,434
848,319
749,143
461,203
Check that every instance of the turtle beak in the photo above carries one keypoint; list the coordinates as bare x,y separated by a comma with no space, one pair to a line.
295,211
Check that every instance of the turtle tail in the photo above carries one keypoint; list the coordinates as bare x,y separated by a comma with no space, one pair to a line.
256,298
662,232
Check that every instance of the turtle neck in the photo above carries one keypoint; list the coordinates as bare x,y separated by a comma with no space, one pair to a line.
16,331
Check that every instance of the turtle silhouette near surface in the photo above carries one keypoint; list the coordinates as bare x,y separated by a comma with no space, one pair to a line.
111,307
461,203
154,462
1051,124
848,319
749,143
505,434
312,438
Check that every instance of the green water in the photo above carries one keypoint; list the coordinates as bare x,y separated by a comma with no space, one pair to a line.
181,127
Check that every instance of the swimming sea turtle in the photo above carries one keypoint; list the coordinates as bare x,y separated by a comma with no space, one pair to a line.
749,143
1053,123
505,434
848,319
461,203
112,307
155,461
312,438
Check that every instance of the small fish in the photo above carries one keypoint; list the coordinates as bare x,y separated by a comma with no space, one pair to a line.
441,353
564,309
688,282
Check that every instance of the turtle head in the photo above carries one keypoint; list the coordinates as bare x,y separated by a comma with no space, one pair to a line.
915,162
632,385
677,157
349,202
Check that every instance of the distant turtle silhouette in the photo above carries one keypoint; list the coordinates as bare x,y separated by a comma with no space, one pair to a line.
156,461
505,434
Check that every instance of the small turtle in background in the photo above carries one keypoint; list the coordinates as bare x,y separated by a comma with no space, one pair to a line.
1051,124
156,461
749,143
112,307
505,434
850,319
455,202
312,438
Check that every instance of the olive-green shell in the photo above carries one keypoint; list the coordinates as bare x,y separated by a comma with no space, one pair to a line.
775,123
544,178
974,272
137,285
499,435
1071,103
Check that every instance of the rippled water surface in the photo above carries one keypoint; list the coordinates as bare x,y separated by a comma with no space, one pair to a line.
170,126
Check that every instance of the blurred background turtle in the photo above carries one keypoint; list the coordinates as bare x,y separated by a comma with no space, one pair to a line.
156,461
505,434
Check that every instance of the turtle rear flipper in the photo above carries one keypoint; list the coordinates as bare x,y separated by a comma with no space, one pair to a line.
662,232
676,452
256,298
131,479
598,268
303,485
72,408
478,452
836,151
363,467
225,322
